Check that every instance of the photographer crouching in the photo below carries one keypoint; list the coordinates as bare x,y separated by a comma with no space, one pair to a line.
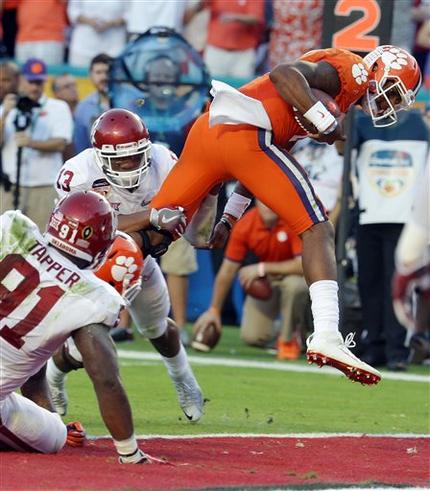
34,130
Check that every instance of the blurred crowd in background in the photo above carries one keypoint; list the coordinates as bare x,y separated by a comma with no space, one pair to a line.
236,40
255,35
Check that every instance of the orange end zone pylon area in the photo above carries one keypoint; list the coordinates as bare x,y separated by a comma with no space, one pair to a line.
215,462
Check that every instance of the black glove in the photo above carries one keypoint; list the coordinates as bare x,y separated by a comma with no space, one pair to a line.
158,248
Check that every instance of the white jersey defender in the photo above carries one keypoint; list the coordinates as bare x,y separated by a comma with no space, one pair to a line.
44,298
82,173
128,170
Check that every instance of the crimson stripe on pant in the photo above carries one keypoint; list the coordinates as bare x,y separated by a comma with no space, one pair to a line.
13,441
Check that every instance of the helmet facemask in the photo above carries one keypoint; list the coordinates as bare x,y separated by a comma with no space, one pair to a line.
385,99
110,158
395,80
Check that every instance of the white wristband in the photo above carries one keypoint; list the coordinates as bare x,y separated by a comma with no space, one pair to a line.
236,205
320,117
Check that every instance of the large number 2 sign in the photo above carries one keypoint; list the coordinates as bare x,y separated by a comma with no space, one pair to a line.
355,36
10,300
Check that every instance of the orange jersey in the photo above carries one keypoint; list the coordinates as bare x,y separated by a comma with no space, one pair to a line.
41,21
353,75
354,83
257,157
235,35
277,243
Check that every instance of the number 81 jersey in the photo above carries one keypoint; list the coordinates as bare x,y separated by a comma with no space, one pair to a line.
44,297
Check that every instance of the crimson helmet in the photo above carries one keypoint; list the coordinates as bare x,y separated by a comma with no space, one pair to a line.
395,81
122,145
82,224
123,267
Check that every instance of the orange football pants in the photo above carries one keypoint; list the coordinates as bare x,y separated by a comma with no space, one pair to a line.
247,154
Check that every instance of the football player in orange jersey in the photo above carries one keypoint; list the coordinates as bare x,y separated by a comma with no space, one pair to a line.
245,136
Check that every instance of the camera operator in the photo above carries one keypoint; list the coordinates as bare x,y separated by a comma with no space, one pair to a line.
34,130
9,79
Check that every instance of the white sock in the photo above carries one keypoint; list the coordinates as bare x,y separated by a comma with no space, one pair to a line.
325,305
177,365
126,447
53,372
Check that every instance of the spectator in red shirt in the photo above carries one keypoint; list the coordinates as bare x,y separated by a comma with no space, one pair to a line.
41,27
278,252
234,32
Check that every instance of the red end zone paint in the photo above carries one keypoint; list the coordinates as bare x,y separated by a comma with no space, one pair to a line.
224,461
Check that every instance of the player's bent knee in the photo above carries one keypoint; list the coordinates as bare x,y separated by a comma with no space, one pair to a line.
34,428
58,434
324,228
154,330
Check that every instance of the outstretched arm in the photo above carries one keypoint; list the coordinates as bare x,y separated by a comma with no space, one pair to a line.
171,220
223,281
100,361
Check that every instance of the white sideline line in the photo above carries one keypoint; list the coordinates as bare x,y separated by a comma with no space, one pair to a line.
275,435
275,365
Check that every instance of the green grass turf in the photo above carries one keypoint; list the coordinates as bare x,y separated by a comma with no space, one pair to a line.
230,346
249,400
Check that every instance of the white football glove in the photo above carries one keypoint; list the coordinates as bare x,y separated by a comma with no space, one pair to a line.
172,220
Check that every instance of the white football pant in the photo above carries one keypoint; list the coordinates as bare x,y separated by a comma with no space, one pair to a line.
27,427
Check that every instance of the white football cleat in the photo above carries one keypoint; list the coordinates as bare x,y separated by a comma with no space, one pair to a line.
57,390
329,348
190,396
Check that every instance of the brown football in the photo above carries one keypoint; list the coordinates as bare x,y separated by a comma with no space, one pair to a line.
260,288
205,338
328,102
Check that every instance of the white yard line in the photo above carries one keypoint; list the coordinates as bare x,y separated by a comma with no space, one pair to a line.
275,365
285,435
150,436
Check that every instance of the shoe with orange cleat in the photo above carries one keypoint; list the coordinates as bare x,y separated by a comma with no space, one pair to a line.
288,350
329,348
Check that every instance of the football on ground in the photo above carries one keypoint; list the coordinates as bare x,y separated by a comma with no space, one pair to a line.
328,102
260,288
205,338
